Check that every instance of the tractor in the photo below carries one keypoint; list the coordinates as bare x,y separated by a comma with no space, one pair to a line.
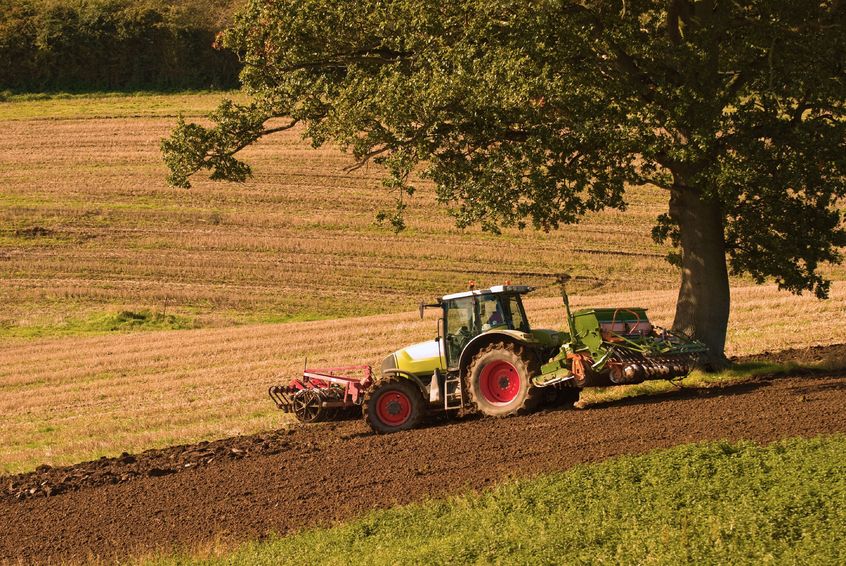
487,358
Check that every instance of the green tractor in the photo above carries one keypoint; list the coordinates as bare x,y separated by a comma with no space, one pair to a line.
487,358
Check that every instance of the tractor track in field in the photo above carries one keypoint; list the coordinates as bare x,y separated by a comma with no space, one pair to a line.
243,488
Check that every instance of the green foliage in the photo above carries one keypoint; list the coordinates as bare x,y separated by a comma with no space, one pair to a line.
145,319
113,45
715,503
534,113
192,147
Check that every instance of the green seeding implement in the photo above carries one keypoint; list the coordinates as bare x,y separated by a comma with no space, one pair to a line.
486,357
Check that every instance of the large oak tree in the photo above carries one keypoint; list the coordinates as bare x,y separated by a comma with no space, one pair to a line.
535,112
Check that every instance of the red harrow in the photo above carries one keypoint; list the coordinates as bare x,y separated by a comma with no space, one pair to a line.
323,394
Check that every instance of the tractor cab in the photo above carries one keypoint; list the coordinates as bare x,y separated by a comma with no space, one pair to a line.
471,313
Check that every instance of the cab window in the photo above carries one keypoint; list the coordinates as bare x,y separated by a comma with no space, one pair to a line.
492,314
514,308
459,326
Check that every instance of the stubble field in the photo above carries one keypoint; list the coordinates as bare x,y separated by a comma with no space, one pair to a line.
89,230
92,242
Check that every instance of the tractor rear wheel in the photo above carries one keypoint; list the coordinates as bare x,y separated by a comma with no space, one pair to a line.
393,404
498,380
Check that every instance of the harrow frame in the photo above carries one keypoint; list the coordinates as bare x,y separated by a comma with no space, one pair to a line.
322,392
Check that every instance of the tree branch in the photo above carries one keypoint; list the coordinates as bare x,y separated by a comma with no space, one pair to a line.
678,11
624,61
288,126
244,143
363,160
649,180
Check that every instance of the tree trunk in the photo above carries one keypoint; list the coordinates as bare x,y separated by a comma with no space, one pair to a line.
702,310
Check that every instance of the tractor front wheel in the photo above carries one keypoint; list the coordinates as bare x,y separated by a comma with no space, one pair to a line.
393,404
498,379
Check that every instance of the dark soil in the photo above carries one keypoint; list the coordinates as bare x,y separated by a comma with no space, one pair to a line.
247,487
47,481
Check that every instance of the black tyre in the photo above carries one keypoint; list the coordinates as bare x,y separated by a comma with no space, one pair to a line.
498,380
393,404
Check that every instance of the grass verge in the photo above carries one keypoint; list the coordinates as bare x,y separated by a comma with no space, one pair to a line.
105,323
713,503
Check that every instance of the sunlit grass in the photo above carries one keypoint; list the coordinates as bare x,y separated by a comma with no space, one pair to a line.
123,321
108,104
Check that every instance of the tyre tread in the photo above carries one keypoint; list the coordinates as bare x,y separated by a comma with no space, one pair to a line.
526,364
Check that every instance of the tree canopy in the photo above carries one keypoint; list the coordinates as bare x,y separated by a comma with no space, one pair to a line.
532,113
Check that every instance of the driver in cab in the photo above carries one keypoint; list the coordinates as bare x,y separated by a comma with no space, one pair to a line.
495,319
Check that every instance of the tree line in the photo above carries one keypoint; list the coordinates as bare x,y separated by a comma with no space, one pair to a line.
85,45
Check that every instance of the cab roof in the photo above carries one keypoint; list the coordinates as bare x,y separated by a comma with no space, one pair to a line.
495,290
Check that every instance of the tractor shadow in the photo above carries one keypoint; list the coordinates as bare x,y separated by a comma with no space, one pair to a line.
839,385
683,393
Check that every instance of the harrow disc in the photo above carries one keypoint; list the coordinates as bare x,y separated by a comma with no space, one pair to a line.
306,405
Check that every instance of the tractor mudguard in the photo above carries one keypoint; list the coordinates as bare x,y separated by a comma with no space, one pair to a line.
490,336
424,389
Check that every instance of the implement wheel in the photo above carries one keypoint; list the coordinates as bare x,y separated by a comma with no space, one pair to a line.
393,404
498,379
306,406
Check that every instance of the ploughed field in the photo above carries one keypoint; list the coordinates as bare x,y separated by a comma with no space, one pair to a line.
186,497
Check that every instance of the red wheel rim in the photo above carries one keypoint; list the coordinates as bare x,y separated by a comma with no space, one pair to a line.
393,408
499,382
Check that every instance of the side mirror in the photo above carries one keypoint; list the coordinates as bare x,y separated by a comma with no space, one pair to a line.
424,306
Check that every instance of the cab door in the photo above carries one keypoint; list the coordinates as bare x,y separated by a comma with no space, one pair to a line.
460,326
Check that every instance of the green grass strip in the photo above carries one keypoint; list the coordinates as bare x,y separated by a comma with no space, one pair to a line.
123,321
714,503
